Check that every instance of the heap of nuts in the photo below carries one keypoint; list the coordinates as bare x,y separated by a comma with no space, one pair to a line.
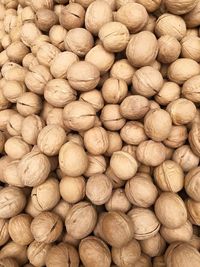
100,133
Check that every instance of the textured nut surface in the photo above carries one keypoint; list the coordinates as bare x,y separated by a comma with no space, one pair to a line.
174,214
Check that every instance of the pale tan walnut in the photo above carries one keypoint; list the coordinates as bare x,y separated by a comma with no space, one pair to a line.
59,93
134,107
191,47
98,189
96,165
29,103
31,126
4,161
114,36
81,220
147,81
83,76
145,223
73,159
4,103
9,262
176,107
45,19
183,69
153,246
150,6
4,233
29,33
114,142
127,255
72,16
79,41
169,176
133,133
151,153
57,35
55,116
63,255
98,13
183,233
15,251
141,192
118,201
174,214
185,157
37,4
181,254
12,90
50,139
116,181
37,252
122,69
169,92
94,252
62,208
169,49
142,49
46,53
177,136
79,116
12,201
46,227
96,140
93,97
193,208
16,51
117,228
180,7
157,124
72,189
29,61
14,124
134,16
192,18
16,148
19,229
194,139
101,58
114,90
61,63
13,72
37,78
46,195
28,169
5,116
169,24
123,165
10,174
191,89
111,117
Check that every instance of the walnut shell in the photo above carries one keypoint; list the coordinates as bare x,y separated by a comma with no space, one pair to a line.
81,220
174,213
63,255
28,169
94,252
145,223
12,201
46,227
117,228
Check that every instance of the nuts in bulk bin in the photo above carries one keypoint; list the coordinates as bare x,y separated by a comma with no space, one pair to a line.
99,133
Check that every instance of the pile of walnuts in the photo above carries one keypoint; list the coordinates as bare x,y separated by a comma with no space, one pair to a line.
99,133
